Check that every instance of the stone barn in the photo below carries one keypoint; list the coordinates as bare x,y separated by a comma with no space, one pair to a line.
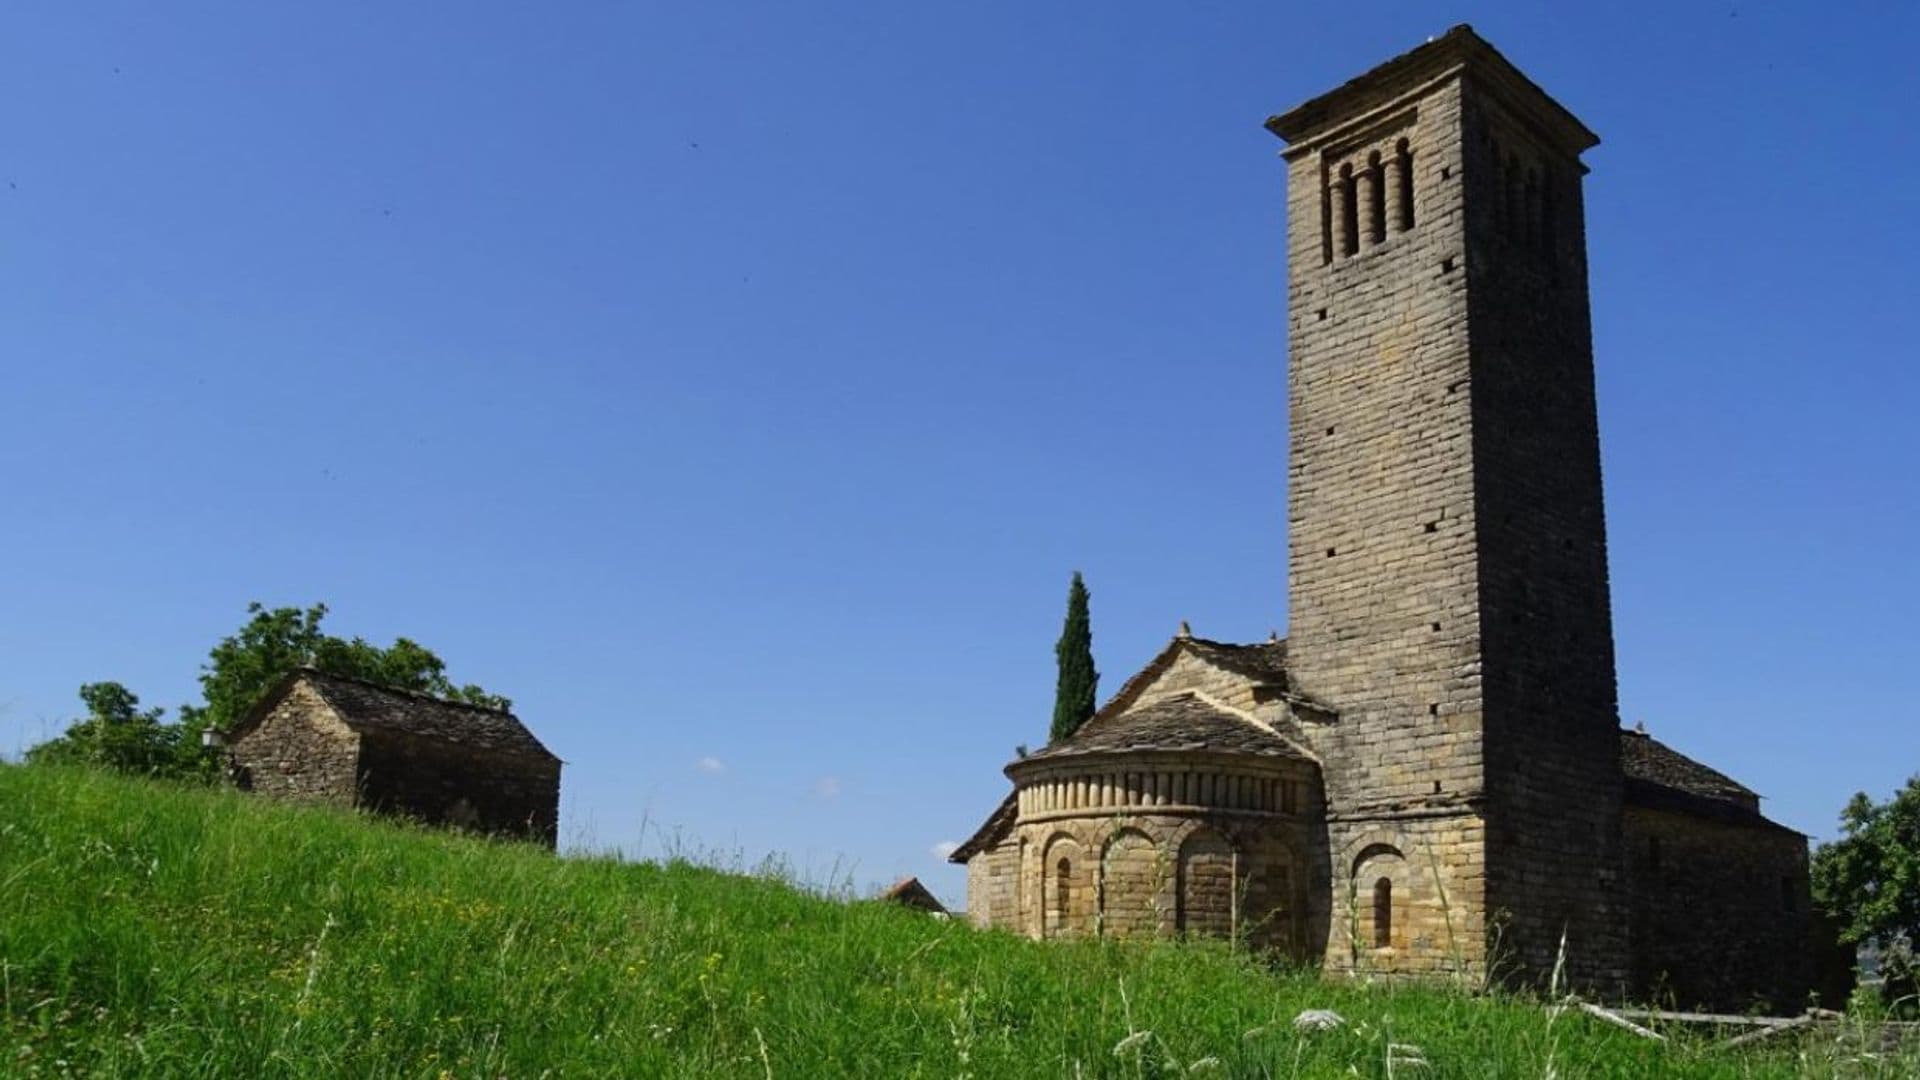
329,738
1428,776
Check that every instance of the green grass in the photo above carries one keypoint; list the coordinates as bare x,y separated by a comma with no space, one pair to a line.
155,931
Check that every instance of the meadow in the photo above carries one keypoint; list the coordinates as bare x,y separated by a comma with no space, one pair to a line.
155,930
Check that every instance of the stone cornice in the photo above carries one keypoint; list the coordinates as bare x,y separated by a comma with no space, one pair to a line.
1459,53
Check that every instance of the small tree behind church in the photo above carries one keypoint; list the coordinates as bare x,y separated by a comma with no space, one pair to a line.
1073,695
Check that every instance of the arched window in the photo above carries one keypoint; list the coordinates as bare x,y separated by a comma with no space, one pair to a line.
1403,173
1383,913
1349,213
1376,198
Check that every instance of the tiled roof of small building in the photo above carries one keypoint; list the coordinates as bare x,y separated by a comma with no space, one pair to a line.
908,892
1180,722
363,704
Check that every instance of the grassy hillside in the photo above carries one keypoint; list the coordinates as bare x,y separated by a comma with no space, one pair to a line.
146,930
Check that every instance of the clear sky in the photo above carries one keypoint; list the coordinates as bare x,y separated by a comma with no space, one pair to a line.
736,385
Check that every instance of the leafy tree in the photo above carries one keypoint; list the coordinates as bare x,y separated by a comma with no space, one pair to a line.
116,734
238,673
1078,682
243,667
1869,879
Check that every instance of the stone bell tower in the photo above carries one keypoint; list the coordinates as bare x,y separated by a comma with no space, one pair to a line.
1447,548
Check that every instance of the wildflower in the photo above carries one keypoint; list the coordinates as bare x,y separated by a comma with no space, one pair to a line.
1318,1020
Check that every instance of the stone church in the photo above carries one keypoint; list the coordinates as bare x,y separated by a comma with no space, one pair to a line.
1428,775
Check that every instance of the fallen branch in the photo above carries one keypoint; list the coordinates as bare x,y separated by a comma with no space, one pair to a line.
1707,1018
1617,1020
1794,1024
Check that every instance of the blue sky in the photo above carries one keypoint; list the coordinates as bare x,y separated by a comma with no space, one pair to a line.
736,386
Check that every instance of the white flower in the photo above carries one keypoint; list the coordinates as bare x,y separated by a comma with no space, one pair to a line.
1318,1020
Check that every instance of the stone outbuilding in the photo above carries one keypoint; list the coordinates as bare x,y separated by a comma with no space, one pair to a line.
909,893
1428,776
329,738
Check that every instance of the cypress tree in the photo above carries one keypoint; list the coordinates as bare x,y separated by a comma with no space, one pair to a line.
1073,695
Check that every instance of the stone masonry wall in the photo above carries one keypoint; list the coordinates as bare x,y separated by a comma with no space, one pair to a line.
1551,726
1164,874
1383,553
1382,560
1189,672
1721,912
489,792
993,879
1164,843
1436,921
299,750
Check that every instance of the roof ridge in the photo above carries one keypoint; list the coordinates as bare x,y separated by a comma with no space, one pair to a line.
309,669
1255,720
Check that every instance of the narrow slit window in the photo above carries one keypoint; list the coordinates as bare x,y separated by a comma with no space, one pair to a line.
1403,184
1376,198
1349,213
1382,913
1326,216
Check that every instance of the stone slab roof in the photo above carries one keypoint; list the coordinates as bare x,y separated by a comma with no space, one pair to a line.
1264,663
1662,778
1458,48
365,706
1180,722
1643,757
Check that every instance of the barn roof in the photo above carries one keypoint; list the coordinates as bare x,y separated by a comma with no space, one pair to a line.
365,706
